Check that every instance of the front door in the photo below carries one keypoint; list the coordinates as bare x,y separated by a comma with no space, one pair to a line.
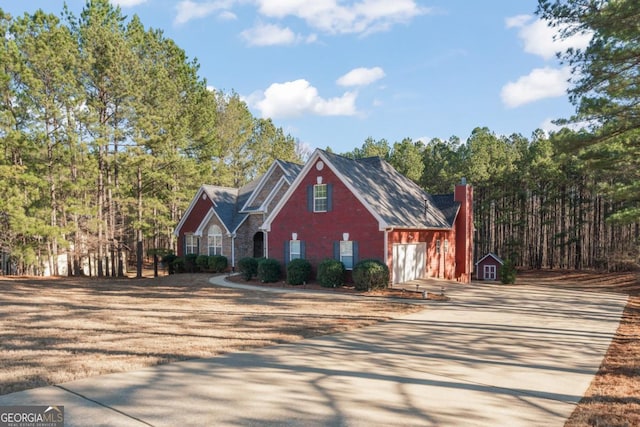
258,245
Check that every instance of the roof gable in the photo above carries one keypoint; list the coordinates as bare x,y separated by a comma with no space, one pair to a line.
491,255
393,199
192,205
288,172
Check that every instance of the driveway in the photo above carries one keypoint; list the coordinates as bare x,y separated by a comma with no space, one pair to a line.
493,355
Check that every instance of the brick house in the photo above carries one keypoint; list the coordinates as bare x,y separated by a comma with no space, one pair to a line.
357,209
227,221
336,207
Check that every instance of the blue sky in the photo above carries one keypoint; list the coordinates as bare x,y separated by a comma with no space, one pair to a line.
334,72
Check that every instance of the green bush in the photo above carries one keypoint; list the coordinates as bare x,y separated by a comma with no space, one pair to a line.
370,274
298,271
168,261
190,265
248,267
178,265
202,261
268,270
218,263
331,273
508,273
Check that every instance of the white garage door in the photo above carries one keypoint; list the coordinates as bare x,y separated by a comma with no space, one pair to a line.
409,261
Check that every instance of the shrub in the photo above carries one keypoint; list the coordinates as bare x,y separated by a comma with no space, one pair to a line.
190,265
178,265
268,270
370,274
331,273
298,271
218,263
508,273
168,261
202,261
248,267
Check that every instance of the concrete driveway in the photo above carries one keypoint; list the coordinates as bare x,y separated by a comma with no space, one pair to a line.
491,356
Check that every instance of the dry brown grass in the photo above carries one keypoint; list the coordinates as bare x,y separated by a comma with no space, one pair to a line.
613,398
58,330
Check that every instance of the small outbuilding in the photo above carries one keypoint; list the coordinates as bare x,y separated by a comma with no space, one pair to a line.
488,267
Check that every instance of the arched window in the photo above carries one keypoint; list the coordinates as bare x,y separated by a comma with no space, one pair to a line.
214,239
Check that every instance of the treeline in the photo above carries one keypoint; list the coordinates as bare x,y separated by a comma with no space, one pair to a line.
534,204
106,132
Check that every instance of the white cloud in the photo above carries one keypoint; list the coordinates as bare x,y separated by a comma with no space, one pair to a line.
294,98
541,39
361,76
189,10
227,16
269,35
127,3
365,16
540,83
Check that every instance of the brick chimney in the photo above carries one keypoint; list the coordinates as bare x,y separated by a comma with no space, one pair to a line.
463,193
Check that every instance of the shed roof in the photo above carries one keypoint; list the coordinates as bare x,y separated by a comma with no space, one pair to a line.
491,255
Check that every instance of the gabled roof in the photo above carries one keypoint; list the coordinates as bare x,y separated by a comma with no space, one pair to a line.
396,199
228,203
393,199
492,255
289,172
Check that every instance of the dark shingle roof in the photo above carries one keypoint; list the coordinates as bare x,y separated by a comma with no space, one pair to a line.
291,170
229,201
395,198
225,199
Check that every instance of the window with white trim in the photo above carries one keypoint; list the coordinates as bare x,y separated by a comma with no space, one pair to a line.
320,202
346,253
446,246
214,240
438,246
190,244
294,249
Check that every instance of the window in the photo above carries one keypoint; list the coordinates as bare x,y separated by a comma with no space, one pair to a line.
438,246
214,240
346,253
191,244
446,246
294,250
320,198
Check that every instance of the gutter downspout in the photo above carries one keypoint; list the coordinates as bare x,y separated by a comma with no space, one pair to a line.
233,251
386,252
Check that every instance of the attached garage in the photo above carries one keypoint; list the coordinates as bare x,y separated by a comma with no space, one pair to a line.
409,261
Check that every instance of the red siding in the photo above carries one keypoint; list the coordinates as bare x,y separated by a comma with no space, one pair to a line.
488,261
320,230
197,214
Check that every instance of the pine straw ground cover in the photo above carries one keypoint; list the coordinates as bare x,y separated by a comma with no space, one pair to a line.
58,330
613,398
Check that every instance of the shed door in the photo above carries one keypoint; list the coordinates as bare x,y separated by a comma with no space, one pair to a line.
409,262
489,272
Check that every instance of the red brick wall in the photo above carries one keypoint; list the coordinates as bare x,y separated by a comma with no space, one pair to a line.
194,219
320,230
439,265
464,233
